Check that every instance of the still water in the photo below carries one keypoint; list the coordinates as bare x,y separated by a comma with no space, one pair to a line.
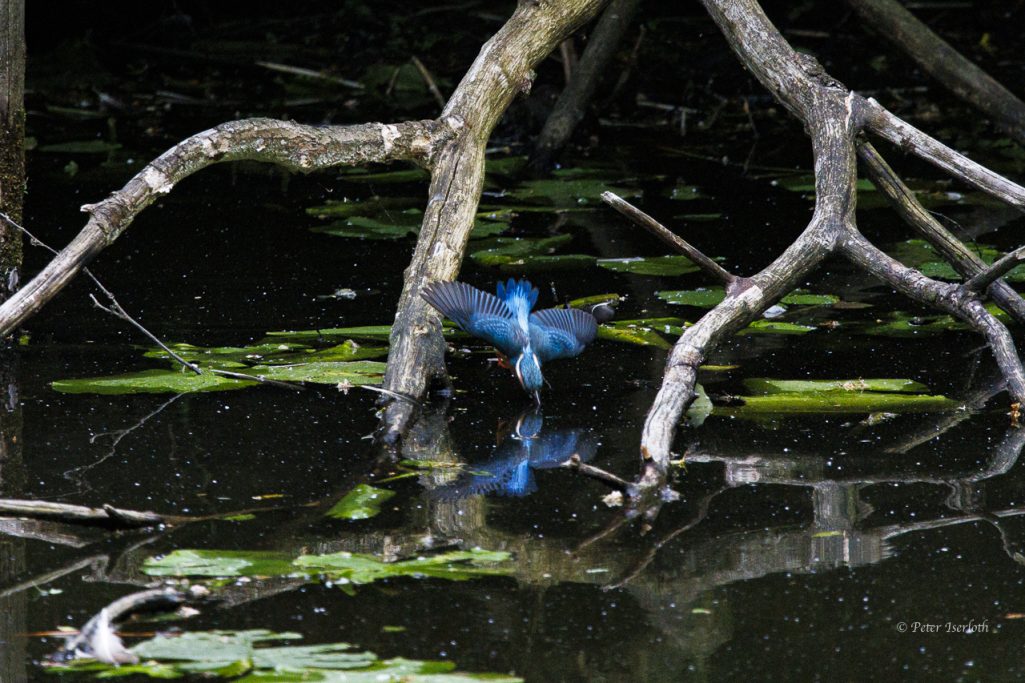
803,546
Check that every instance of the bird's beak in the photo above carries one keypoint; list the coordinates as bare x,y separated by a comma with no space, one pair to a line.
537,397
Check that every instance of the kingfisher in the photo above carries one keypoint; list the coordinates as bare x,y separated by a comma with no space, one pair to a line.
505,321
510,470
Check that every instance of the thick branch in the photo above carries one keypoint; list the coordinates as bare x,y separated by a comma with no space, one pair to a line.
910,139
945,64
502,70
288,144
964,260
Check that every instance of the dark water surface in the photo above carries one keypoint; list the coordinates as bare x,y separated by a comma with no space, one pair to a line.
803,546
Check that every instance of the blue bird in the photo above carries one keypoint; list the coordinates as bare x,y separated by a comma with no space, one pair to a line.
510,470
505,321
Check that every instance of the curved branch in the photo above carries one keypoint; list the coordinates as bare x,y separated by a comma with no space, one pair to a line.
286,143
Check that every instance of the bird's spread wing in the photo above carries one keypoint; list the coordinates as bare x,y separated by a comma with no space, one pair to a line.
561,332
479,313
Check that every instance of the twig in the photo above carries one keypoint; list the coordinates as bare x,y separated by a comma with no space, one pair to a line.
117,310
107,515
310,73
578,465
999,268
394,394
429,80
642,219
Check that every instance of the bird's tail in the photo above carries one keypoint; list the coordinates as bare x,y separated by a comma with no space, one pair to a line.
520,296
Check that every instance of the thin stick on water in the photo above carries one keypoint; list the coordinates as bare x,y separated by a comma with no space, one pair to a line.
117,310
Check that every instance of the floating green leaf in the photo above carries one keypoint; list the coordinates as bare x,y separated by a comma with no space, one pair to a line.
650,265
325,372
840,402
216,354
775,327
594,299
366,228
372,332
179,381
764,385
568,191
625,332
699,217
707,297
362,502
230,654
519,253
342,567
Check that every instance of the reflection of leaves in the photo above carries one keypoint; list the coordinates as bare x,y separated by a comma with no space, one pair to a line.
362,502
229,654
650,265
344,567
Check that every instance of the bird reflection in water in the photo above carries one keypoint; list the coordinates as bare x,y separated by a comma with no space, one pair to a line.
510,470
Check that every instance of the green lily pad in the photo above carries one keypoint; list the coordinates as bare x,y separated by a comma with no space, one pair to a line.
904,324
628,332
650,265
253,654
764,385
567,191
531,264
362,502
325,372
587,301
775,327
707,297
699,217
179,381
372,332
362,227
355,568
840,402
239,354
